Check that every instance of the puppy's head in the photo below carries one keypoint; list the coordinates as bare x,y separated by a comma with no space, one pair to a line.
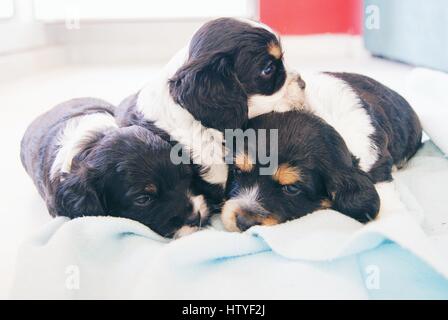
235,71
315,171
127,172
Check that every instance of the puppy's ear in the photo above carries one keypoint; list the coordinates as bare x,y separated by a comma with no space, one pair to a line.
87,147
209,89
353,194
76,196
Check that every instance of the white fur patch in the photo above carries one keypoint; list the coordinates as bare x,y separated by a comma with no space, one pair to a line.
335,102
257,24
199,206
74,135
185,231
289,97
246,198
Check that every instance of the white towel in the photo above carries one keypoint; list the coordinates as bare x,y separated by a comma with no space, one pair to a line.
427,92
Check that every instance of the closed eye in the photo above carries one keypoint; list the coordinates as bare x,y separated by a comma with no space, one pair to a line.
143,200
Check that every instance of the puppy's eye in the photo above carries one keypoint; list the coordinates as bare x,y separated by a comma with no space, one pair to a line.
143,200
292,189
268,70
237,171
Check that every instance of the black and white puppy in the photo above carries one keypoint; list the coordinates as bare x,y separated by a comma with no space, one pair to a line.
330,161
378,125
229,68
83,164
315,171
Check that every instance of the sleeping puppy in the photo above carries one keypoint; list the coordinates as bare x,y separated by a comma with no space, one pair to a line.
315,171
228,68
363,129
378,125
83,164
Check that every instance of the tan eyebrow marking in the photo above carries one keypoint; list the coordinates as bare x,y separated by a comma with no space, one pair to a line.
151,188
244,162
287,174
275,50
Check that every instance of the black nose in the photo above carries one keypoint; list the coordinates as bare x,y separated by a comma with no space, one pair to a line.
300,82
193,220
244,223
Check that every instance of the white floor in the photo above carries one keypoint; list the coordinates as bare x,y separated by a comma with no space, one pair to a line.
21,210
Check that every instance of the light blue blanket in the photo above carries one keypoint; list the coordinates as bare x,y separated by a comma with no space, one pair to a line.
403,254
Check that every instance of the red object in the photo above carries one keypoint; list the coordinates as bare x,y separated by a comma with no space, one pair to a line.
291,17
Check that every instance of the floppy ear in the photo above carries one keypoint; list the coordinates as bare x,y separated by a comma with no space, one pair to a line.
354,194
76,196
209,89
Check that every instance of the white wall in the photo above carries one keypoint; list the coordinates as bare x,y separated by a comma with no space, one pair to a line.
21,32
123,42
102,40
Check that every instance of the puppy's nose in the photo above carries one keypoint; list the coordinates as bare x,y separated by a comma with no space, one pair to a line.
193,220
243,222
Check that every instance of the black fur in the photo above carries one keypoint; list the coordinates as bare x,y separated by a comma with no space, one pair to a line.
224,67
328,172
111,173
398,132
127,115
226,58
38,147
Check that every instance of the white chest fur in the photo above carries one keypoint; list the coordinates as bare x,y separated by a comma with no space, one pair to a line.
204,144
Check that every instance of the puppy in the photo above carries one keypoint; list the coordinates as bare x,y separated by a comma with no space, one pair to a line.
378,125
230,70
359,119
315,171
83,164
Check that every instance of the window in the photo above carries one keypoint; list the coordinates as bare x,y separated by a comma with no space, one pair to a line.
6,9
56,10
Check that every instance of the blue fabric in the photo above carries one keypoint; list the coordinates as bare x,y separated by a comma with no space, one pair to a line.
119,258
324,255
402,275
